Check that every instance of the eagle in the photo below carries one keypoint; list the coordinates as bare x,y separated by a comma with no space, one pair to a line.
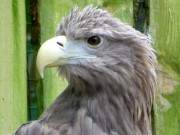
110,69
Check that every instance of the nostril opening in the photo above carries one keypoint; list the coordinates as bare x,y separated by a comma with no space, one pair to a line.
59,44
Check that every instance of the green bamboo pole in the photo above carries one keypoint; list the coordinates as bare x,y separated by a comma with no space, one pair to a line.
13,106
165,29
35,91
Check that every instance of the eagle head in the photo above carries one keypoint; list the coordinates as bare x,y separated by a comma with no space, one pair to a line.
110,65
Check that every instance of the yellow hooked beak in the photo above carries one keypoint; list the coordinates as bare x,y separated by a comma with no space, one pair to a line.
51,53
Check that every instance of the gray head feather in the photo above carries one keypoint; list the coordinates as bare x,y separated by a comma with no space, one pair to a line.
123,71
109,95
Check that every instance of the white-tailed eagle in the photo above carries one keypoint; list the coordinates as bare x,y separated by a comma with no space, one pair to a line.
111,74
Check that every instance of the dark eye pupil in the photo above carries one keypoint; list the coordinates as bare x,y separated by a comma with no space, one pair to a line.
94,40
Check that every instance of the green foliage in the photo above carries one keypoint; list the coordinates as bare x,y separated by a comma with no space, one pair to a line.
172,116
168,121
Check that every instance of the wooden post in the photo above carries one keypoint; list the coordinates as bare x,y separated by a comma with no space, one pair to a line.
34,82
13,105
165,29
141,15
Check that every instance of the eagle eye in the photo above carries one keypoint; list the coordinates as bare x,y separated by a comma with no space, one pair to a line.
94,40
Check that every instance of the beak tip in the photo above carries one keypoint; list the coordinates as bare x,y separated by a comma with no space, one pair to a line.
40,71
42,75
49,53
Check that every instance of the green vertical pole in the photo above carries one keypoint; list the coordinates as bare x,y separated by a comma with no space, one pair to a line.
13,106
141,15
165,29
35,90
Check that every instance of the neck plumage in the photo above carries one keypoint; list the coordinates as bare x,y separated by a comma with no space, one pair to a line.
114,103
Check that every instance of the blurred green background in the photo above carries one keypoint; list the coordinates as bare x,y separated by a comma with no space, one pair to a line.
25,24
